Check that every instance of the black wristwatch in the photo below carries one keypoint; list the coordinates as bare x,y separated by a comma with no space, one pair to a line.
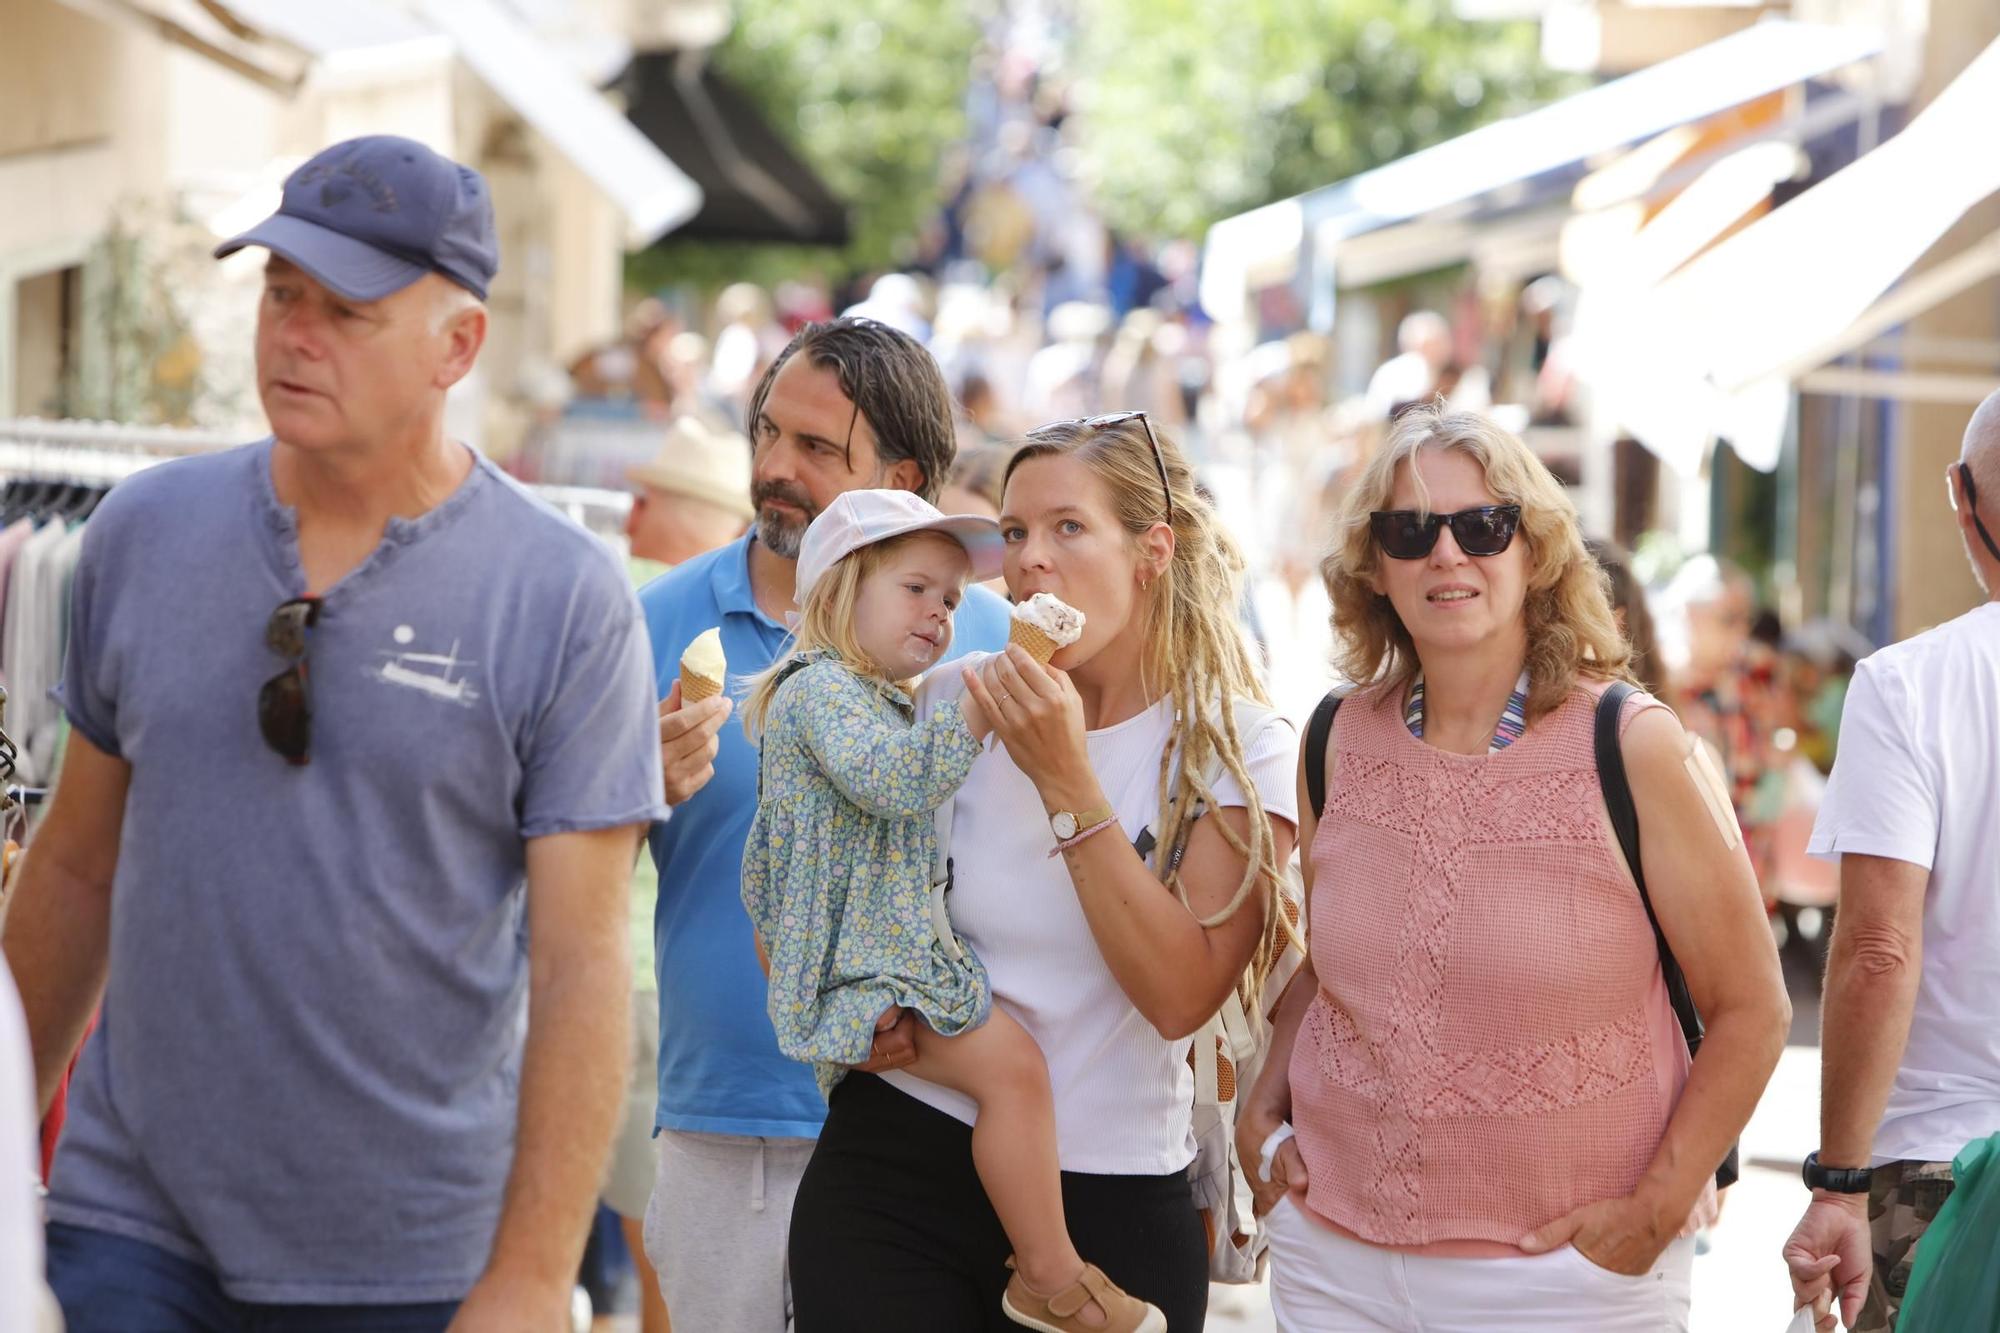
1835,1179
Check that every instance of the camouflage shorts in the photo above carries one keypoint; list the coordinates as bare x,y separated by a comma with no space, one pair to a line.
1903,1200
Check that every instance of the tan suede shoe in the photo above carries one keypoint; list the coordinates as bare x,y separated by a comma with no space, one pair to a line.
1063,1312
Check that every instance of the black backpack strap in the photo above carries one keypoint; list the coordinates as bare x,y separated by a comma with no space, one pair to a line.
1617,791
1319,728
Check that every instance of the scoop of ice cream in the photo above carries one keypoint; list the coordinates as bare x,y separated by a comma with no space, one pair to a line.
704,656
1051,615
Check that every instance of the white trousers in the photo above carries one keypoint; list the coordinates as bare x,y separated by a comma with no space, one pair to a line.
1322,1282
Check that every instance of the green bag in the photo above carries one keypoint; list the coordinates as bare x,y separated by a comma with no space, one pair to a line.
1955,1281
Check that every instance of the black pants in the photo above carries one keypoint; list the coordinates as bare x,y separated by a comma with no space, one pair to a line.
891,1230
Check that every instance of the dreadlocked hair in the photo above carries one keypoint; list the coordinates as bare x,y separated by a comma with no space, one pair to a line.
1194,651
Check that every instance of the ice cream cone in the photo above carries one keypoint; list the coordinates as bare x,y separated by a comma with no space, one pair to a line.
1039,645
695,688
703,667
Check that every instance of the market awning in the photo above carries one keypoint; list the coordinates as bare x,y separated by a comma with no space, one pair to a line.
1712,351
276,43
1567,134
1539,156
754,187
654,194
269,42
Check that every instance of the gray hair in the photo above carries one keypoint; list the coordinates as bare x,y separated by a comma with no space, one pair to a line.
448,302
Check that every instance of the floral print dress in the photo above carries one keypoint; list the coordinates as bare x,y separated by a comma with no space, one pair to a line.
837,868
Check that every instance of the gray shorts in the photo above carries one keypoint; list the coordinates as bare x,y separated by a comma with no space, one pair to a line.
717,1228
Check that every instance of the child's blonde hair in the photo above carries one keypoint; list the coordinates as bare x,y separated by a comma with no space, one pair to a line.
826,623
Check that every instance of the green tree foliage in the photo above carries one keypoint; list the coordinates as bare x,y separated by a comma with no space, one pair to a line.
1197,109
871,93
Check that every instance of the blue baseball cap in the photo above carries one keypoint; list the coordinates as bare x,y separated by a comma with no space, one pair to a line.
368,217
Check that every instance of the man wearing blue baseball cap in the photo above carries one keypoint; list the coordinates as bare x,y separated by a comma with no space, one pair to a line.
363,741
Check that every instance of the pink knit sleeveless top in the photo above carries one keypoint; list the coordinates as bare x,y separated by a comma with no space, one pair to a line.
1492,1044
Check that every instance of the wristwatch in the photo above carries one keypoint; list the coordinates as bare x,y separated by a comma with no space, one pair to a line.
1835,1179
1066,824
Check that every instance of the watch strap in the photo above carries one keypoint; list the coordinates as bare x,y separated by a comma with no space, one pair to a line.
1084,819
1835,1179
1081,835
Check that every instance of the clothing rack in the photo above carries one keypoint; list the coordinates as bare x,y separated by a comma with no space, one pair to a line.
95,451
13,796
104,452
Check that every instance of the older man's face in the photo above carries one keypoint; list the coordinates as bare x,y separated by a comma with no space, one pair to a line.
670,527
334,373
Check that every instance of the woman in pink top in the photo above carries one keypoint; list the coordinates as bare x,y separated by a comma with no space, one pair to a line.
1496,1121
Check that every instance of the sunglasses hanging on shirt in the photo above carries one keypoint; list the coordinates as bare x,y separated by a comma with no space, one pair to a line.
284,704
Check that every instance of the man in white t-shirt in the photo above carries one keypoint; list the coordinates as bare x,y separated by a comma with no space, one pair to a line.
25,1302
1910,1027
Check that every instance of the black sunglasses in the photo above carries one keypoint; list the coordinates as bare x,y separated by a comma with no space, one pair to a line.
1119,419
1972,503
1405,534
284,709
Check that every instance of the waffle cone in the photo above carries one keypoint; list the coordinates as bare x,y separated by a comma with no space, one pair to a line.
696,688
1039,645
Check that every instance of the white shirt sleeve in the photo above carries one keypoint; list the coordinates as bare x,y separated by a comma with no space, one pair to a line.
1882,799
1272,761
944,683
20,1170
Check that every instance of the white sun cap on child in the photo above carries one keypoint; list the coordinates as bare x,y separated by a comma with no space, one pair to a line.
861,518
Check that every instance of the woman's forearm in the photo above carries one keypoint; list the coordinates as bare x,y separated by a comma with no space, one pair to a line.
1274,1084
1738,1053
1171,969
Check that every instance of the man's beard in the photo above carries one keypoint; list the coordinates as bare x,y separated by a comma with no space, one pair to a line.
781,537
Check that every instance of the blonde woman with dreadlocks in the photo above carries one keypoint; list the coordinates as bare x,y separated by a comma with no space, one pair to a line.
1497,1125
1141,738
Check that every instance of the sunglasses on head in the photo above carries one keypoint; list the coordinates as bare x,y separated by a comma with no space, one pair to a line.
1406,534
284,708
1119,419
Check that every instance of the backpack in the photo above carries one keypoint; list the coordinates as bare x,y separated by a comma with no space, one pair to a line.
1226,1053
1617,791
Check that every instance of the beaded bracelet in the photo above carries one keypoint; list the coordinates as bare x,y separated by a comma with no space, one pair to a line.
1062,847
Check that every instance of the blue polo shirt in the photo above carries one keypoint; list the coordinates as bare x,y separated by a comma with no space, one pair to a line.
720,1069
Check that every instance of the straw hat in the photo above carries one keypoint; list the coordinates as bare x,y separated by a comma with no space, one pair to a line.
702,462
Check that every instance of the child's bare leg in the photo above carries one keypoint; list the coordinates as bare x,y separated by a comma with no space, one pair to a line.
999,1066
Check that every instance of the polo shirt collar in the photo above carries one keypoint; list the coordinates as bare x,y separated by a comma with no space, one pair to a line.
729,581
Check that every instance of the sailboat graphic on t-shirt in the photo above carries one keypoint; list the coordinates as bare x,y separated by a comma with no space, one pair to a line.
440,675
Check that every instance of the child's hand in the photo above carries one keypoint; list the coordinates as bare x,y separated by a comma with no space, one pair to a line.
976,720
895,1041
